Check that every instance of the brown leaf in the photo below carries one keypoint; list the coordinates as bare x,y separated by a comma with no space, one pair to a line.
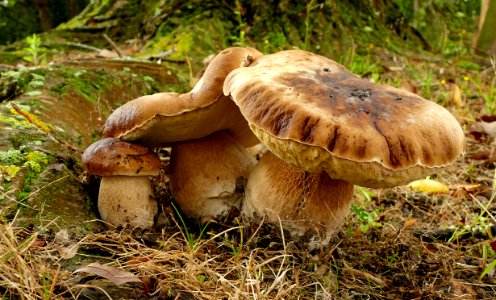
480,155
69,251
61,237
37,243
493,245
113,274
482,128
107,54
488,118
409,223
489,128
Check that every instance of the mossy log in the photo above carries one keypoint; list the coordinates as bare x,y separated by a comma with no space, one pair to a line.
54,114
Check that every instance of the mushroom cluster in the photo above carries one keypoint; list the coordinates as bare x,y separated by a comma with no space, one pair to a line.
325,129
207,133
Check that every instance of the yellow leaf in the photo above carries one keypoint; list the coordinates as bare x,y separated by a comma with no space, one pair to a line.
428,186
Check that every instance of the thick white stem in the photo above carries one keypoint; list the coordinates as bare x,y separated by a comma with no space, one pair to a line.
127,200
304,202
205,172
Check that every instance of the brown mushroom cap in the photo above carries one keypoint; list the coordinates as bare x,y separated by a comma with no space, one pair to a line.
163,118
112,157
313,113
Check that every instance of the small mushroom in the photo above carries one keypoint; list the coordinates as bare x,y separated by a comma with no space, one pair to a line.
316,116
125,196
206,165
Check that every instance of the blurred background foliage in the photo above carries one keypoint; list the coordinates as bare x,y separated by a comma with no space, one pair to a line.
199,26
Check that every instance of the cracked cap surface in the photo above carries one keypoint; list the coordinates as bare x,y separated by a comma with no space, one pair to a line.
313,113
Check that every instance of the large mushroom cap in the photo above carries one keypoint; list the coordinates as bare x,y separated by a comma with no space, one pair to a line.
163,118
311,112
112,157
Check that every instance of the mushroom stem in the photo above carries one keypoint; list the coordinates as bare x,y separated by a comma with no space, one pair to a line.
206,172
126,200
304,202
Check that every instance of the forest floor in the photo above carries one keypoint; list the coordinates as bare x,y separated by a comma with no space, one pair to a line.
398,243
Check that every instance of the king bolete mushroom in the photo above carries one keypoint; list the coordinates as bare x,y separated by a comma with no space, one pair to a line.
189,122
125,195
333,129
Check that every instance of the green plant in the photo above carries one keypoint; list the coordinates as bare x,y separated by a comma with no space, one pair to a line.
427,81
235,250
190,238
239,40
489,95
361,65
309,7
489,268
34,51
366,219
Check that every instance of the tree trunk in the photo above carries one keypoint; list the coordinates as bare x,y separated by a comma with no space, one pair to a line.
485,38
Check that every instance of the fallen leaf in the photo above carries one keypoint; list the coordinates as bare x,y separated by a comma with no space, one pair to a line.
482,155
395,68
488,128
488,118
409,223
493,245
37,243
61,237
113,274
69,251
104,53
428,186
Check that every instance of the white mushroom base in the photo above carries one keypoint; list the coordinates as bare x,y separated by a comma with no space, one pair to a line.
127,200
305,204
205,172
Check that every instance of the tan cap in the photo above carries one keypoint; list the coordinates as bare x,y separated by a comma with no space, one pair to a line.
313,113
112,157
163,118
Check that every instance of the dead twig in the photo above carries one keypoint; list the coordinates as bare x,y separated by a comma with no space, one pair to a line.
28,118
363,275
83,46
113,45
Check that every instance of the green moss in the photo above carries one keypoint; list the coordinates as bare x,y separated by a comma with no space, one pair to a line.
191,40
85,84
12,157
469,65
9,172
24,79
34,162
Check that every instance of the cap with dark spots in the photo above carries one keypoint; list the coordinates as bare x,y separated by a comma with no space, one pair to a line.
311,112
113,157
164,118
